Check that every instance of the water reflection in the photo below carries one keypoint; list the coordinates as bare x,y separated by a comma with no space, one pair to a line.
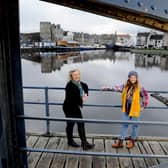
148,61
98,68
54,61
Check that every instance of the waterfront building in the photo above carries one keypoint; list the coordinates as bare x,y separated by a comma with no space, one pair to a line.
142,39
156,41
165,41
29,39
151,40
68,36
124,39
45,31
106,38
50,32
57,33
53,33
91,39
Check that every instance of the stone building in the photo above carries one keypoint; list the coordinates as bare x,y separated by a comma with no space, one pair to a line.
57,33
50,32
45,31
90,39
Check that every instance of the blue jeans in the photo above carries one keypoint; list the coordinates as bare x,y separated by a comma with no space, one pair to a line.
125,127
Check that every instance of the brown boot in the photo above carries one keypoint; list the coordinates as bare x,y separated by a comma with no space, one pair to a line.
118,144
131,144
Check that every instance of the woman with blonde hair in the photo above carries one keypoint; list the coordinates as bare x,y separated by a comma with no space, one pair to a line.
134,100
76,93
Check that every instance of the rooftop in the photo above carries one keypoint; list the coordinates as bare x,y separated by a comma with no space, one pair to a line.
145,34
157,37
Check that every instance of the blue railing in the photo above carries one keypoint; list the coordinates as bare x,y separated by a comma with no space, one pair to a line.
47,103
47,118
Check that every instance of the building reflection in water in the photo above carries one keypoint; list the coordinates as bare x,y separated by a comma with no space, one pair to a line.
149,61
54,61
91,56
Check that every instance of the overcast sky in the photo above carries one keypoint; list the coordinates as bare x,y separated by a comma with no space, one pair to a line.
34,11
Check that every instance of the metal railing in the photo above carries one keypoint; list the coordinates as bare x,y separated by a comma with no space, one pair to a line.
47,118
47,103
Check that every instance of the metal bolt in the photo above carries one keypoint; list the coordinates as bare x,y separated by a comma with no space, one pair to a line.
140,4
153,7
126,1
166,11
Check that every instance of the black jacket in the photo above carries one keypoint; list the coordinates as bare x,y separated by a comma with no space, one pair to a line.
72,94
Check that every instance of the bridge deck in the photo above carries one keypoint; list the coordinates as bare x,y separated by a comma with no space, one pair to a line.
102,144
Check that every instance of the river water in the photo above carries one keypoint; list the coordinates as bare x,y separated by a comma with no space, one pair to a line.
98,68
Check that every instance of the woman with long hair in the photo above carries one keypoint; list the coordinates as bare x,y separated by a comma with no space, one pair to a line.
134,100
76,93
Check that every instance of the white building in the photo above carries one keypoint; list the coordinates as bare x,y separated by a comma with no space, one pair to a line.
165,40
68,36
150,40
143,39
124,39
156,41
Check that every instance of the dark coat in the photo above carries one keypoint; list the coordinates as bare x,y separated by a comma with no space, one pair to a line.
73,100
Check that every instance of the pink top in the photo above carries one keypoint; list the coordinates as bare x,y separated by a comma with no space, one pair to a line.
143,94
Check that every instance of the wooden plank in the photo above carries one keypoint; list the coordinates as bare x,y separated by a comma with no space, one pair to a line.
40,160
34,157
99,162
162,165
157,149
111,161
72,160
46,158
86,161
31,141
59,160
108,136
145,149
125,162
164,145
138,162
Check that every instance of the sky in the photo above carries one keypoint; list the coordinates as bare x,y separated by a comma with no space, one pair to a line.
34,11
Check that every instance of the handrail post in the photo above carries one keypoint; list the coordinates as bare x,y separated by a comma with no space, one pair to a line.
47,111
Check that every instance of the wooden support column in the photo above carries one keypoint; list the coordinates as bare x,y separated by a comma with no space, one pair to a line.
12,132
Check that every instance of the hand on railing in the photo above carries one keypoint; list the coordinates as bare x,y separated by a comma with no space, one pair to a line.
142,109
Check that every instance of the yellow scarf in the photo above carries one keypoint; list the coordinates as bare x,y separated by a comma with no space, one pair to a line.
135,105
